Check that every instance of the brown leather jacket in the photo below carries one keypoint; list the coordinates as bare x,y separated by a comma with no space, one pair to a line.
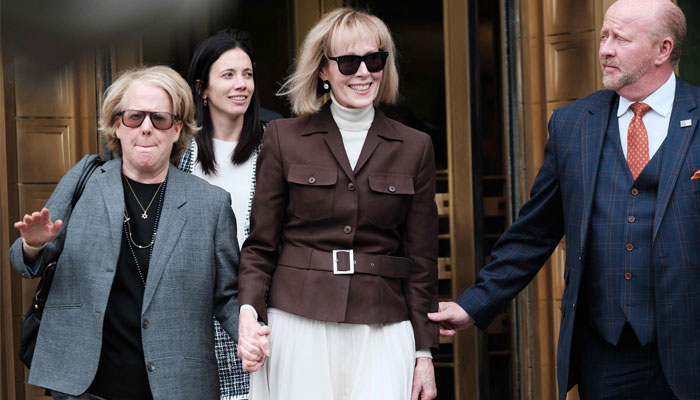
308,202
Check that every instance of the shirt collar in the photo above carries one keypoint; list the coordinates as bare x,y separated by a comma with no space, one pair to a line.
660,101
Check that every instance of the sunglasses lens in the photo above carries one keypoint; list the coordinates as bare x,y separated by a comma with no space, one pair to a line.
161,120
132,119
348,65
375,62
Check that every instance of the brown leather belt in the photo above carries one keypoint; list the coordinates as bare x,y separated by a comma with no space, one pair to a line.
373,264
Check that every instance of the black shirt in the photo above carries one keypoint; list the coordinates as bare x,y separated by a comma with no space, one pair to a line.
121,373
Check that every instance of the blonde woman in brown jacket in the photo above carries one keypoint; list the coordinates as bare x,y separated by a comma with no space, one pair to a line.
341,259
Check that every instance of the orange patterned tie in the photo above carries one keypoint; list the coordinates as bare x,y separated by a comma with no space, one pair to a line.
637,140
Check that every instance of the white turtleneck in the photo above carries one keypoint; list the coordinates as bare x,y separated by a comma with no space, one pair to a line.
353,124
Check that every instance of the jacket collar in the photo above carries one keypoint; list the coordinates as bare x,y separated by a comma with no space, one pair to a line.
599,108
685,118
322,122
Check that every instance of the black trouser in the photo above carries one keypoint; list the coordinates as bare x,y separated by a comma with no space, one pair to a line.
625,371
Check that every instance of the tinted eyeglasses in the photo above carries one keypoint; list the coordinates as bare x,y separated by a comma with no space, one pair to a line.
160,119
348,65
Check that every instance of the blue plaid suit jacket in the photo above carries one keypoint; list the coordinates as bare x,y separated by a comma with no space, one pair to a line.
561,204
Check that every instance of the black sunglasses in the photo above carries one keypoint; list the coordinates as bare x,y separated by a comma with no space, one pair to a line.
160,119
348,65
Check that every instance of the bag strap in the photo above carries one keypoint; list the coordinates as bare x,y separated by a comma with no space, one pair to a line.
87,172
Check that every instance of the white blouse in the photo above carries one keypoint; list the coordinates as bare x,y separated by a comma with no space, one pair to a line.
235,179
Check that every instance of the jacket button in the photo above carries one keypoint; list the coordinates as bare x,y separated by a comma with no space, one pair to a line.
635,191
347,229
631,219
312,180
392,189
628,275
351,186
145,324
629,247
151,367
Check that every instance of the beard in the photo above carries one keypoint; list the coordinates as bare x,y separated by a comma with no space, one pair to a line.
625,76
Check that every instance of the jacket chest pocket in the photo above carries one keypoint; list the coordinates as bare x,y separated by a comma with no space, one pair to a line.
311,191
685,179
389,198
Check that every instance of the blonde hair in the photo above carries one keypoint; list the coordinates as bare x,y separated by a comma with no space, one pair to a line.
161,77
342,25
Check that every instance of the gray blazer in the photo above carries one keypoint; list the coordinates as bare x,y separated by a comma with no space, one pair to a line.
192,277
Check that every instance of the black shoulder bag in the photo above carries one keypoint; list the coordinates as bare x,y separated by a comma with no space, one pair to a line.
32,319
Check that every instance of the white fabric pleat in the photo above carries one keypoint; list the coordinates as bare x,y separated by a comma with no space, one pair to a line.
318,360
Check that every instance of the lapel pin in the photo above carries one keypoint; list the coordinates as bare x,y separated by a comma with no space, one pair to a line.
686,122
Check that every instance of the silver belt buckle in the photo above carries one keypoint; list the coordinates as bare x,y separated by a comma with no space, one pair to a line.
351,260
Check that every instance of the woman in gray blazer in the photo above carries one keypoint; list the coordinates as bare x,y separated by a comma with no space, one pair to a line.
145,259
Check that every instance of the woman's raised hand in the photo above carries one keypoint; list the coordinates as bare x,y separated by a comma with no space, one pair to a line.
37,229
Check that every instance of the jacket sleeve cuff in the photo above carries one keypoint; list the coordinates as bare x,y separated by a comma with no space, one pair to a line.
251,308
424,353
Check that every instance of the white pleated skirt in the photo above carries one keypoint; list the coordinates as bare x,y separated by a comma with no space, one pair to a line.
318,360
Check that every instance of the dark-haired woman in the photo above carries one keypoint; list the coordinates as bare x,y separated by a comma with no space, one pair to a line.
225,151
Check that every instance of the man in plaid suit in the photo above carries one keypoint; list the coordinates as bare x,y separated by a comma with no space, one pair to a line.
620,182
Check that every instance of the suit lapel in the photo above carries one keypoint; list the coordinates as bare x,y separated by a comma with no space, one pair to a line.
675,147
172,221
379,127
335,144
593,130
109,181
323,123
371,143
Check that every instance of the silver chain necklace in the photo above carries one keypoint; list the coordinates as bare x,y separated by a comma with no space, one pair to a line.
130,240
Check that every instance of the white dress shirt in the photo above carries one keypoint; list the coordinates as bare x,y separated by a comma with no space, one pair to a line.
656,120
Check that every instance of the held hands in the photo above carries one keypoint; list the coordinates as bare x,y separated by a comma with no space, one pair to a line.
423,380
37,230
451,318
253,341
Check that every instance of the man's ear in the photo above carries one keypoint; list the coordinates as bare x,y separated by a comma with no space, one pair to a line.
666,46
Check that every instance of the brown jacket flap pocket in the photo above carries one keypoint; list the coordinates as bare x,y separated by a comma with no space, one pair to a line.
391,183
312,175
